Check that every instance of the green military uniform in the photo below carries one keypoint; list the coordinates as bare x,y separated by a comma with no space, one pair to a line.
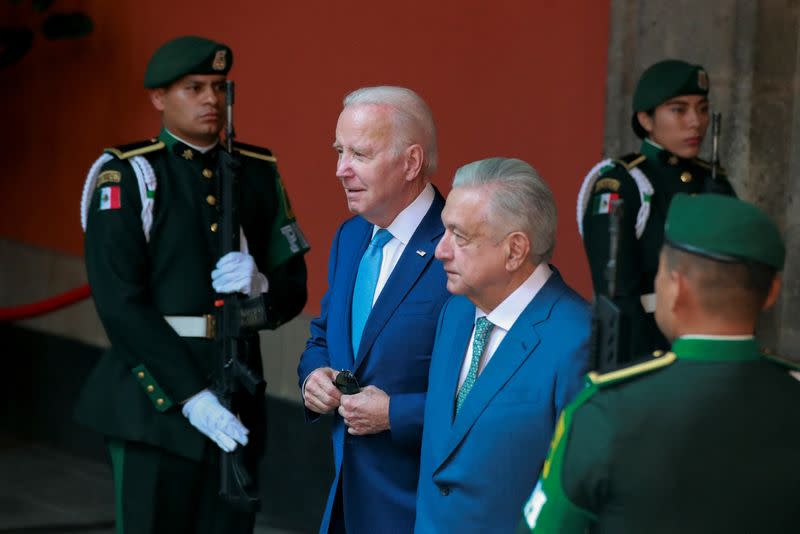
143,267
645,208
700,439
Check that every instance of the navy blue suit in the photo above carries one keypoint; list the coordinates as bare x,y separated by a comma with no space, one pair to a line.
379,472
478,467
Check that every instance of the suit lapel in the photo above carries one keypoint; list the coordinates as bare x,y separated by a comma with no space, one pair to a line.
519,344
404,275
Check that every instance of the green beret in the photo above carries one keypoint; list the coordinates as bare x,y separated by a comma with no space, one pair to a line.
186,55
723,228
664,80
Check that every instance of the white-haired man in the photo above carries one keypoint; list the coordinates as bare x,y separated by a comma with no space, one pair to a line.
379,313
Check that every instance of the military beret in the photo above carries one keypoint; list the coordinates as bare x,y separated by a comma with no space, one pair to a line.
723,228
186,55
664,80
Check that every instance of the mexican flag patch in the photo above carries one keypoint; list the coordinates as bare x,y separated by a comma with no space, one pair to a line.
109,198
603,203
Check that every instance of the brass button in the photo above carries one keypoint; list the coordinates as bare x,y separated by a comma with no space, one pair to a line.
150,388
686,177
211,199
140,374
208,173
658,353
214,227
673,160
160,402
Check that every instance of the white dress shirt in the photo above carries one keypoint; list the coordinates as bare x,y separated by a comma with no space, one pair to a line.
402,228
503,318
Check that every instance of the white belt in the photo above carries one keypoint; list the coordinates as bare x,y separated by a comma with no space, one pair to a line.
649,302
192,325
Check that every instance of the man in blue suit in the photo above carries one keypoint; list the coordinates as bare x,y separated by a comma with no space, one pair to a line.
511,351
379,313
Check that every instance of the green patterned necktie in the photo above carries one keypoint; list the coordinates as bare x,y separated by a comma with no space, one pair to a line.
483,327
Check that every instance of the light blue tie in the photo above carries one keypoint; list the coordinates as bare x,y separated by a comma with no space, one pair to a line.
366,281
483,327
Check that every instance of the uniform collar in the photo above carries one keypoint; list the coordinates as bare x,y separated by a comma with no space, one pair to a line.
653,151
716,348
181,147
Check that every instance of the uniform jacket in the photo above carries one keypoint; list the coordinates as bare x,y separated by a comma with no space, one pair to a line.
134,392
479,466
378,472
637,259
701,439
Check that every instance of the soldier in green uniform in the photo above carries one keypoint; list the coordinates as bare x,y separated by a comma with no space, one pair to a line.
700,439
151,217
670,115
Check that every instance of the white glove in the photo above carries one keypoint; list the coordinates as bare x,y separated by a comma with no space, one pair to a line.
215,421
236,272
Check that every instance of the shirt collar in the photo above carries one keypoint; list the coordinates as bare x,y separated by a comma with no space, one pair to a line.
508,311
405,224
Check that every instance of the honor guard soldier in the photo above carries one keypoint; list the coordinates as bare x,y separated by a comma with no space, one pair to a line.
700,439
670,115
151,215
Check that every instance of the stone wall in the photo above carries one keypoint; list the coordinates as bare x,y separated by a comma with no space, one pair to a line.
751,51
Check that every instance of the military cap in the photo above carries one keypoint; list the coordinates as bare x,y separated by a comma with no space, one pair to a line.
186,55
723,228
664,80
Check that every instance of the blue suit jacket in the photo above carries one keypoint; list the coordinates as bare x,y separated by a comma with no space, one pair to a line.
478,467
379,472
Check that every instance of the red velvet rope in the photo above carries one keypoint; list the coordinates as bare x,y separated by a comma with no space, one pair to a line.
26,311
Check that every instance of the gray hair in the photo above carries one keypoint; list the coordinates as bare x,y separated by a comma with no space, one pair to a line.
411,116
519,200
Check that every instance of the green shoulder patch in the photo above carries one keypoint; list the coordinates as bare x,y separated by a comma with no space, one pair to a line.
780,360
659,359
136,149
109,177
253,151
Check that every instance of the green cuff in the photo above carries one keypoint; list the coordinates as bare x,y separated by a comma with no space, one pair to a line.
157,396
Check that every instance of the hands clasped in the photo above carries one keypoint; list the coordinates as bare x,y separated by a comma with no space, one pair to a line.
207,415
366,412
236,272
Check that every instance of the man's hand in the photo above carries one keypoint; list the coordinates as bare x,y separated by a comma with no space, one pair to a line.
319,393
366,412
236,272
211,418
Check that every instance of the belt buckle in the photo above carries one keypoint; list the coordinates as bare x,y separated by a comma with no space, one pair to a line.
211,325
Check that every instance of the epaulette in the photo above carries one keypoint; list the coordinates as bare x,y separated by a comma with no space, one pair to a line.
780,360
630,161
253,151
136,149
707,165
658,360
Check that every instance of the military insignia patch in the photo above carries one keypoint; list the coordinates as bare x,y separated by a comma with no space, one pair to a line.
187,154
702,80
607,183
109,177
603,203
219,60
110,198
